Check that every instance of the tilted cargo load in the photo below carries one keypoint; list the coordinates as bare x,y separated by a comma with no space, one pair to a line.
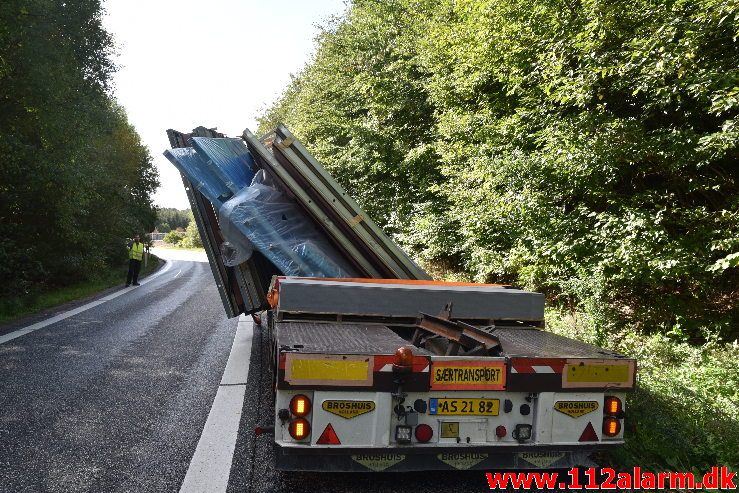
277,201
376,366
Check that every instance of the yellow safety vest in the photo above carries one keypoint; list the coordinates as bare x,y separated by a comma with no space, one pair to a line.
137,251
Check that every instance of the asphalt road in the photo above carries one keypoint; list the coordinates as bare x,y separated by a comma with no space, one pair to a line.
133,394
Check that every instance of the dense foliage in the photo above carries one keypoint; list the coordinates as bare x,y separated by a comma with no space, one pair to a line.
190,238
75,180
684,412
586,149
169,218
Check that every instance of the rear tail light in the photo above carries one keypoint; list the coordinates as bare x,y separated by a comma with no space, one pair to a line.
611,426
424,433
299,428
500,431
300,405
613,406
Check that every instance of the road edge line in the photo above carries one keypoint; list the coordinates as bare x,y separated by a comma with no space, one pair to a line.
210,466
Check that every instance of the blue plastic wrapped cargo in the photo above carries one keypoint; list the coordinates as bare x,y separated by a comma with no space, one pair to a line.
227,158
190,164
257,215
282,232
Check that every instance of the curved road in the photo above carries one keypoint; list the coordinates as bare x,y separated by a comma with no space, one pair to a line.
150,389
115,398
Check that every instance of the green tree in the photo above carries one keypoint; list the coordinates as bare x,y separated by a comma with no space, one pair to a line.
362,106
173,238
75,180
590,150
175,218
584,149
192,238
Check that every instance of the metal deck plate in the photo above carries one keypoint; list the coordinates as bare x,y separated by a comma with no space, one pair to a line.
534,343
340,338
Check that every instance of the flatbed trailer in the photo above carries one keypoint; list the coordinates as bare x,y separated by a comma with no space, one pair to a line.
385,369
512,396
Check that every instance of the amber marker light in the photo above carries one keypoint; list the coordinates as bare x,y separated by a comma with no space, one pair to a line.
611,426
300,405
613,406
299,428
403,360
404,356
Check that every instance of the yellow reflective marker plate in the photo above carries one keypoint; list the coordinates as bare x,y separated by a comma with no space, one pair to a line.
576,408
348,409
449,429
464,407
317,369
598,373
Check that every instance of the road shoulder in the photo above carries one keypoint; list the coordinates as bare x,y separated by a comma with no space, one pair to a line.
46,313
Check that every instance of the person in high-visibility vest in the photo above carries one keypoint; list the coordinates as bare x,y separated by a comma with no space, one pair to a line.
135,254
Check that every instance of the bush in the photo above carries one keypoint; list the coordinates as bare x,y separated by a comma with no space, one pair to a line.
191,238
686,405
173,238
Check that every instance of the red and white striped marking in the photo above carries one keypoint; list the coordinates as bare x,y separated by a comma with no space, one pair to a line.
532,365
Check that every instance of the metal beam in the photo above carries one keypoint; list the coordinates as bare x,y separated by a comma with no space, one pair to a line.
344,210
199,211
266,160
301,298
466,335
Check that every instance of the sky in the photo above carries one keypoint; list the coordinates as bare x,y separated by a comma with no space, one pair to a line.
185,63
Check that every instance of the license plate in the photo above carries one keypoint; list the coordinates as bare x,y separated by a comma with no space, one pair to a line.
464,407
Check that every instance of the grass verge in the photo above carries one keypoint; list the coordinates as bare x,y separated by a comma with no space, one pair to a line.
16,308
172,247
684,414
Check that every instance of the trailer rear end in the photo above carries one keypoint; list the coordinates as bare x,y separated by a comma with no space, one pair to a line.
366,380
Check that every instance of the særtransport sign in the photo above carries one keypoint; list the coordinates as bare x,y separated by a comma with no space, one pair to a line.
467,375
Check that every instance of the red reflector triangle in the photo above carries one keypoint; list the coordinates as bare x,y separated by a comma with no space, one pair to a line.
589,434
329,436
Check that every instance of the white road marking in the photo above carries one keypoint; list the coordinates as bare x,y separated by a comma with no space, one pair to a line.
237,368
71,313
210,466
178,273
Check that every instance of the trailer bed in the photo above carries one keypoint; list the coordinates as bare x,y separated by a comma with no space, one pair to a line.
530,342
307,337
